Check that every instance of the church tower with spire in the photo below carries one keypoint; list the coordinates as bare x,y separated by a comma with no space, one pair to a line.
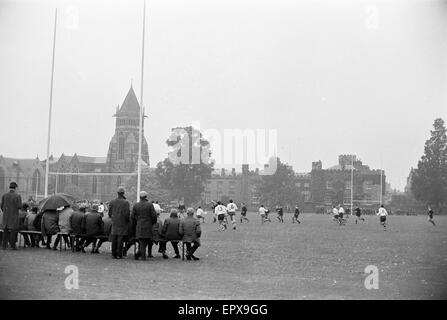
123,148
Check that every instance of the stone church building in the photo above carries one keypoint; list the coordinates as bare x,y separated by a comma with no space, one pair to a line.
97,177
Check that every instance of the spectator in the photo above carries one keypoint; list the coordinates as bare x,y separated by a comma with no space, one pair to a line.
76,226
171,232
144,217
22,226
157,238
50,225
190,231
64,226
93,226
119,212
29,225
10,205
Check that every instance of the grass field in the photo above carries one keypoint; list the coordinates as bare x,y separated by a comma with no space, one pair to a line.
314,260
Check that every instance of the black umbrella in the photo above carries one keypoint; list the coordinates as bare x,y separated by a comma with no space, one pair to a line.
56,201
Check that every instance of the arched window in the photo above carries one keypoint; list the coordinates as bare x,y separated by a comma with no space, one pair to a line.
121,147
36,181
95,184
74,178
2,180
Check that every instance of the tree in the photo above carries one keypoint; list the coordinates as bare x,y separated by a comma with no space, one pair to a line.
149,183
278,188
188,167
429,179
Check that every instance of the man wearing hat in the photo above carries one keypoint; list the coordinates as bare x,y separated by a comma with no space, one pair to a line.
119,212
144,217
93,226
10,205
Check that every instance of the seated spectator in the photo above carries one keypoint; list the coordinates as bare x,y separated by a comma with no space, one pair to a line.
170,232
22,216
38,226
157,238
190,231
94,227
50,225
64,226
29,225
107,228
76,226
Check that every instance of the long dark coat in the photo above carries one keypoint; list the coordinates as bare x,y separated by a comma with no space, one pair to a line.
119,211
93,224
50,223
144,217
11,203
76,222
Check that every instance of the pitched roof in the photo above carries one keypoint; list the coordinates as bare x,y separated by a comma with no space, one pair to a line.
130,103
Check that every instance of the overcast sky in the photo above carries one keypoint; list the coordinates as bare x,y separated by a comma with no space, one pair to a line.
357,77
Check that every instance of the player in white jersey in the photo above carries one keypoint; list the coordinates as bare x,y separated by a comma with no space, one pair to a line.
157,207
231,210
382,213
200,213
220,212
335,213
263,213
341,213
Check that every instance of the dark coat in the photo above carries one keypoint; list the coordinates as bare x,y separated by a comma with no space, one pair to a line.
107,225
156,230
38,221
50,223
119,211
92,224
22,217
11,203
76,222
29,222
170,229
144,217
189,229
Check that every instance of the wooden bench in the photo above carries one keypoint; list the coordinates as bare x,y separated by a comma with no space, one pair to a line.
22,234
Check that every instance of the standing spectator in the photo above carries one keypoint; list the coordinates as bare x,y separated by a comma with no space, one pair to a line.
29,225
157,207
11,203
101,209
93,226
50,225
144,217
64,227
171,231
190,231
119,211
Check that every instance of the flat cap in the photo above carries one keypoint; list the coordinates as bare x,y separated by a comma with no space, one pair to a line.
143,194
120,190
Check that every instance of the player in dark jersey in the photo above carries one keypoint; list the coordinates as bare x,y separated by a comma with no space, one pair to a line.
244,213
280,216
358,215
430,216
296,214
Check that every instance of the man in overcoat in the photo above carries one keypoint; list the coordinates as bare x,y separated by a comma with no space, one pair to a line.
144,217
10,205
119,212
190,231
